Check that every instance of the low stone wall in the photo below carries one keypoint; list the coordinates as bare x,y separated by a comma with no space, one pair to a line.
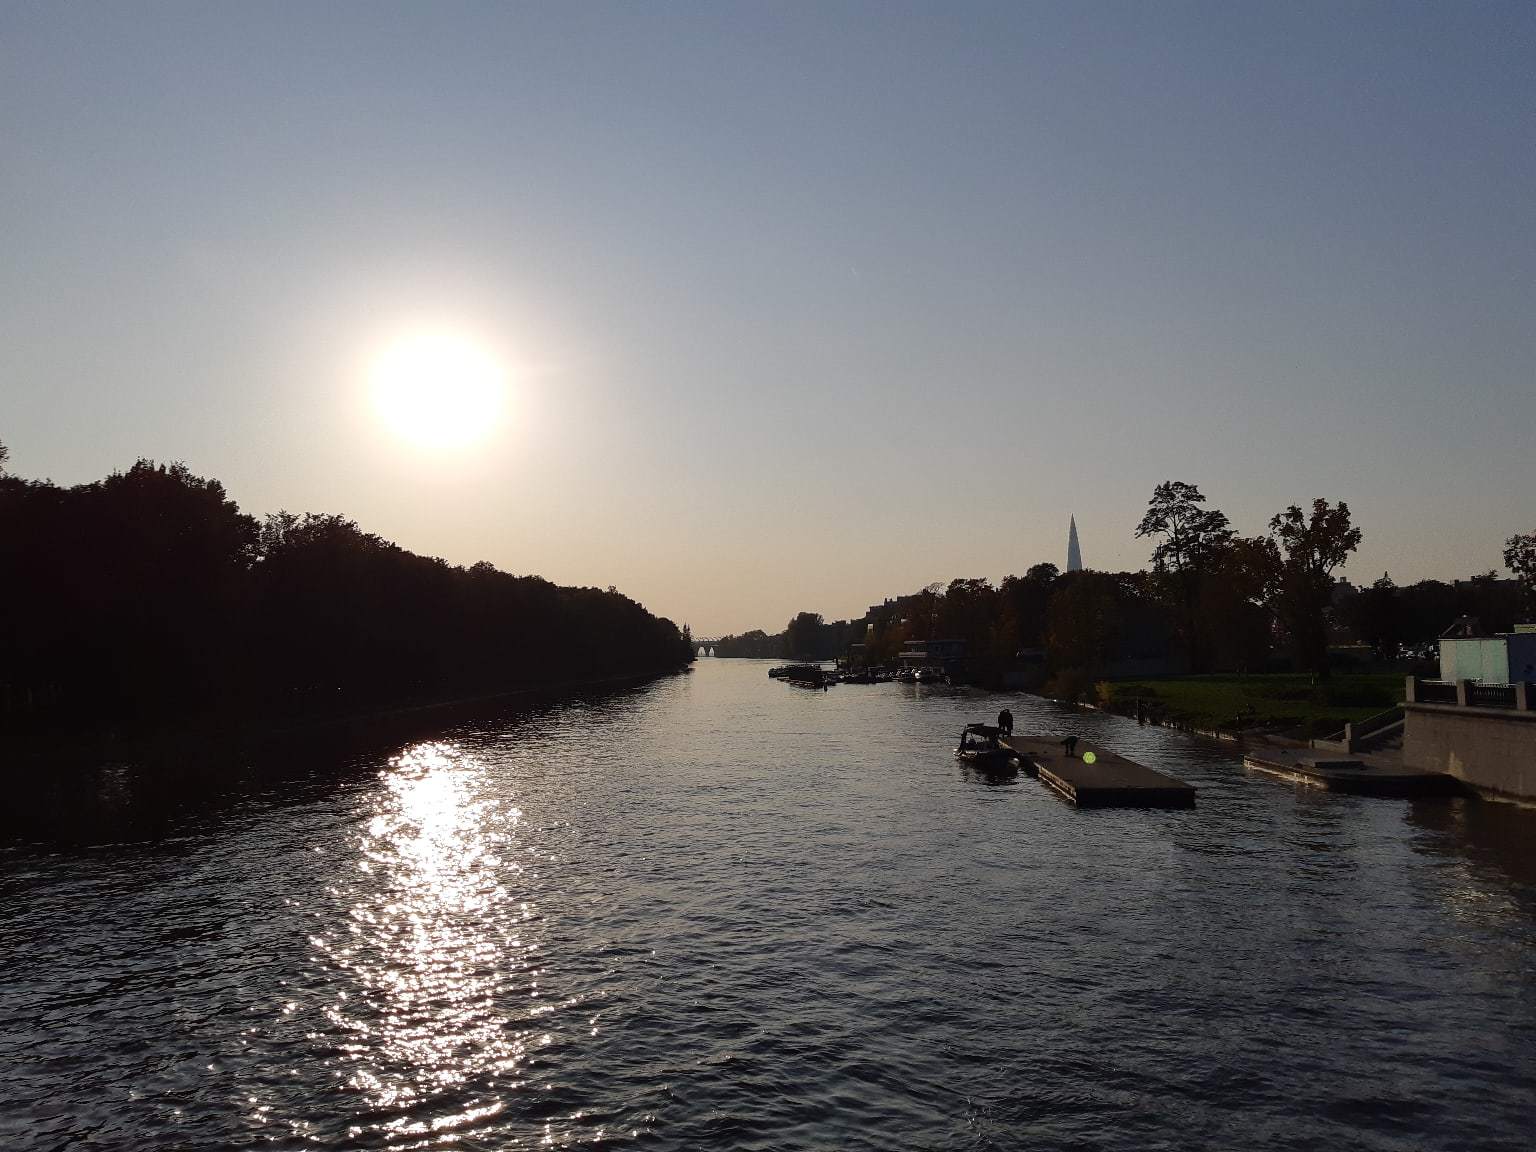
1492,749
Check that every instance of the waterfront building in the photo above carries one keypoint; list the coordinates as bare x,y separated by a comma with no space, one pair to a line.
946,654
1467,654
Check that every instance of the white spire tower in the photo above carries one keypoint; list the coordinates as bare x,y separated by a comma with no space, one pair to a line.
1074,553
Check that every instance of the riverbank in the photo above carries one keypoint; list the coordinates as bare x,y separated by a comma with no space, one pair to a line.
1285,702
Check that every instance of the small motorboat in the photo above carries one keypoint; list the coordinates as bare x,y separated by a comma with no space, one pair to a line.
980,748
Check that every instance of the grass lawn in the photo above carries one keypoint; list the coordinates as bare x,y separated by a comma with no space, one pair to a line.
1288,700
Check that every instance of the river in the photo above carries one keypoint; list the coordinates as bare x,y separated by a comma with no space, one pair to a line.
718,911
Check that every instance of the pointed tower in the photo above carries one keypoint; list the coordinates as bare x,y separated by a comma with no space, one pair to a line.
1074,553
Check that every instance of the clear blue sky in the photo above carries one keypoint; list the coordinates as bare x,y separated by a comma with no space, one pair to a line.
802,305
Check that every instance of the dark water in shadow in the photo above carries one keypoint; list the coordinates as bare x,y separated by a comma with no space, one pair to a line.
724,912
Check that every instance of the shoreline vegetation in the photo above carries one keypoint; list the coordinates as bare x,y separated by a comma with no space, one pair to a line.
1221,631
1273,703
146,610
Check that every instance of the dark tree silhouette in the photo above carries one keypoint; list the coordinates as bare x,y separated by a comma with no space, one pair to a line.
149,599
1192,548
1024,603
802,635
753,645
1519,558
1083,625
1312,546
1376,615
1234,617
1190,534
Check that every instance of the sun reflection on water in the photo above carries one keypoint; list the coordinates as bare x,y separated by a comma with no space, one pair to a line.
432,951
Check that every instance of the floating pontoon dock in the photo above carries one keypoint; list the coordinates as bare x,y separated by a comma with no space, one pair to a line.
1094,777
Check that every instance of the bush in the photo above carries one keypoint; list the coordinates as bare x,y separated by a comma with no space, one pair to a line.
1069,684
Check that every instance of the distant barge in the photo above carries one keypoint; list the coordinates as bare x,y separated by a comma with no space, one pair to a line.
803,675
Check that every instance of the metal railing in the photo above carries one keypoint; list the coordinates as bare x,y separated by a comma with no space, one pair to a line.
1354,737
1431,691
1490,695
1471,694
1377,722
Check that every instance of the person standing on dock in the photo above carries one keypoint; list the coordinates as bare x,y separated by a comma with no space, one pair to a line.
1005,722
1070,744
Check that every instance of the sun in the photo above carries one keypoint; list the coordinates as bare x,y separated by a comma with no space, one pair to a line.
438,390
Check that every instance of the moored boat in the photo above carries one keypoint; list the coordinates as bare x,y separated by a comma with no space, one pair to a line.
980,748
806,675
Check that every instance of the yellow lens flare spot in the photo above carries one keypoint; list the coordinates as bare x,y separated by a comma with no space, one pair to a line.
438,390
1089,757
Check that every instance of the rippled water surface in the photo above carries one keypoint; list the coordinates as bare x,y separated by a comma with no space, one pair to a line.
723,912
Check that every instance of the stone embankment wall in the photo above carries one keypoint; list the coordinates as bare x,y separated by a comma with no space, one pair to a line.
1491,749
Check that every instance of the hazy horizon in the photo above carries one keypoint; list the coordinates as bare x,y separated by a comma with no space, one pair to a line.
796,308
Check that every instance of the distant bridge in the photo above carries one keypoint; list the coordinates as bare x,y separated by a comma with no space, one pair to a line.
706,647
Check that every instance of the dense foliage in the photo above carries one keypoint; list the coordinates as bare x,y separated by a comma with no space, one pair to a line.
1393,620
1520,556
149,597
1212,601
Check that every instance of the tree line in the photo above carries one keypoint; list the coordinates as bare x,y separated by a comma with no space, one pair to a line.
149,598
1210,600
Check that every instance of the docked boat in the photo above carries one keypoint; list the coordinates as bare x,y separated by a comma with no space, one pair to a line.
980,748
805,675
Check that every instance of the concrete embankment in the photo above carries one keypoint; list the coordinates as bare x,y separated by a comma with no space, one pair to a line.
1359,774
1492,750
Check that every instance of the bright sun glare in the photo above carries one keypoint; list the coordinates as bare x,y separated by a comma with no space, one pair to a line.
438,390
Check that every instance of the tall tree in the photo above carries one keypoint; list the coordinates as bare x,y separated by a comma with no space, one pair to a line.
802,636
1497,604
1191,544
1234,620
1313,545
1377,615
1190,534
1083,626
1024,601
1426,608
1519,558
